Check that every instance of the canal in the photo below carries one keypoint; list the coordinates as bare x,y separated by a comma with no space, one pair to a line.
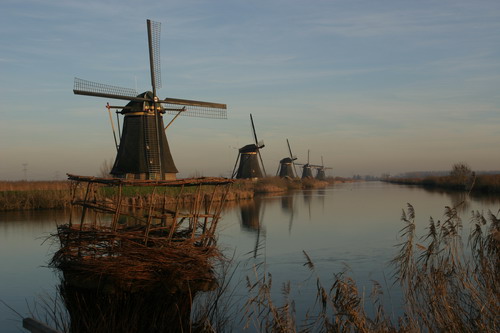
351,227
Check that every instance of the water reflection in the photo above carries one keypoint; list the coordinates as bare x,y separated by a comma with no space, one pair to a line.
102,306
250,212
288,209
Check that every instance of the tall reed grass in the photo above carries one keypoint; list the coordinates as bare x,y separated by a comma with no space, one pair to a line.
448,286
479,184
32,195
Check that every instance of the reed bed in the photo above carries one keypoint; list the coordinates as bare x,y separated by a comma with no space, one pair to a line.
448,286
33,195
34,185
34,199
479,184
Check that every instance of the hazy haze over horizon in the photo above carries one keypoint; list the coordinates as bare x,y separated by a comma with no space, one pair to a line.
372,86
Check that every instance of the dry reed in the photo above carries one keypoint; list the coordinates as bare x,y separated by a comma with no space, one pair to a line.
447,286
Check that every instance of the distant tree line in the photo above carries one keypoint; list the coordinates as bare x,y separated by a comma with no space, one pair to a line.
368,178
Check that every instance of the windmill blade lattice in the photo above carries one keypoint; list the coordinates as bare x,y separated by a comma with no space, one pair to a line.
196,111
154,29
84,87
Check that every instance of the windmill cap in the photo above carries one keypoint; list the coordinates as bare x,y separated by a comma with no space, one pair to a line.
251,148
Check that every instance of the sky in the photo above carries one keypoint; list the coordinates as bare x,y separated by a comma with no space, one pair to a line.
373,87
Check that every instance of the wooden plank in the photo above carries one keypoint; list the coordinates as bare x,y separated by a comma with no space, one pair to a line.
140,182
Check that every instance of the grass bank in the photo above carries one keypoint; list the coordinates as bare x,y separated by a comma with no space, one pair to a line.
35,195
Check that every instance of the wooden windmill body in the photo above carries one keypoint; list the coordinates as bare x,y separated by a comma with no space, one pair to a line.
248,157
320,170
287,166
306,168
143,151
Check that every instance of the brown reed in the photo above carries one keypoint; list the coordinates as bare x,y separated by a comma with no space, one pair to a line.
448,286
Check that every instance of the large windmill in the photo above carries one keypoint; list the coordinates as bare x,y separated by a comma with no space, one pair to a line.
249,167
320,170
143,151
287,165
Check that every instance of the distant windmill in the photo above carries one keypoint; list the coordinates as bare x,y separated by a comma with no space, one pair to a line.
320,169
249,167
306,168
143,151
287,165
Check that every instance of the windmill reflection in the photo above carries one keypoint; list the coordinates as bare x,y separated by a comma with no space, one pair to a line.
307,196
251,213
287,207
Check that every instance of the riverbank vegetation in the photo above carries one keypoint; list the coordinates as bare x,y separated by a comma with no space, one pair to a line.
460,178
24,195
34,195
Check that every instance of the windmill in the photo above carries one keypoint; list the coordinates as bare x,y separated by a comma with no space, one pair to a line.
306,168
287,166
249,167
143,151
320,169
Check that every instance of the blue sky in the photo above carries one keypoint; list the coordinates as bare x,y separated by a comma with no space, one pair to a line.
372,86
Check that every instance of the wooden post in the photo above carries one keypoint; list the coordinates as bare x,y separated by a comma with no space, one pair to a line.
118,208
150,216
84,209
174,222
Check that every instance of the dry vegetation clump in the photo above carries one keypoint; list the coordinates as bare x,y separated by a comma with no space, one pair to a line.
123,260
273,185
266,185
118,282
313,183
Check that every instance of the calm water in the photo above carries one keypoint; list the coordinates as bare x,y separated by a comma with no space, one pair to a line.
348,225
